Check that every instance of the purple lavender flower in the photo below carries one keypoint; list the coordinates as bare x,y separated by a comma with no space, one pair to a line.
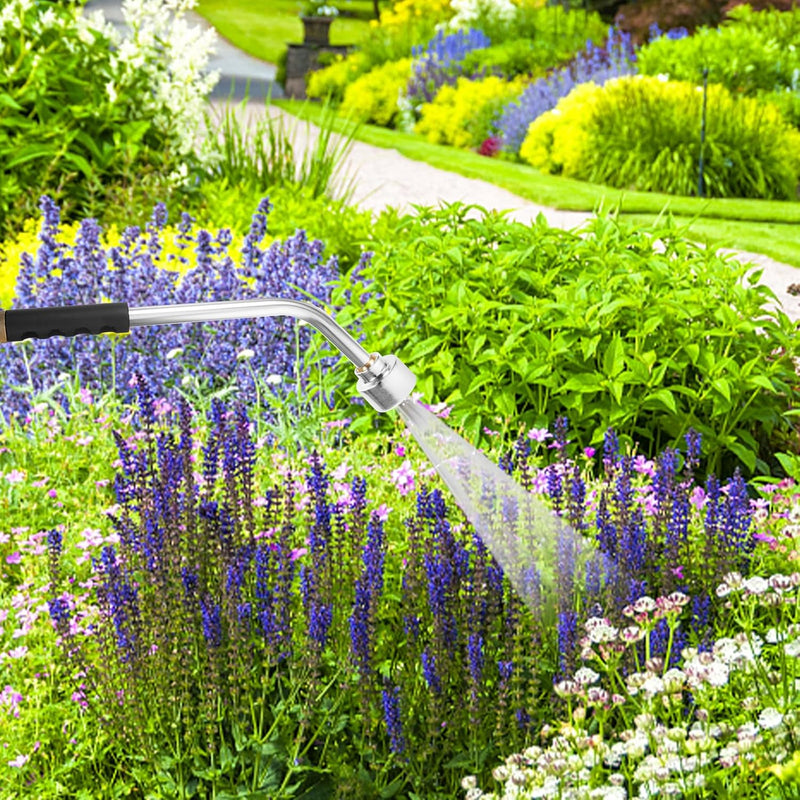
616,57
737,517
212,622
59,611
475,657
54,542
60,274
567,630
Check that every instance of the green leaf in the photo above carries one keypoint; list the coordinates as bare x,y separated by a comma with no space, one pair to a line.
662,398
747,456
614,358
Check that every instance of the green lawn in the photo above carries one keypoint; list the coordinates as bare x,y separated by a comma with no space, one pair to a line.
759,226
263,28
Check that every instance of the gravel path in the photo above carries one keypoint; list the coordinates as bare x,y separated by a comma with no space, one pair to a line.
384,177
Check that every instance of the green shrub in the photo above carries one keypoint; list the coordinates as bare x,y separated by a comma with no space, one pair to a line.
553,28
752,52
462,115
557,28
343,228
263,152
373,97
639,330
557,141
644,133
93,120
515,57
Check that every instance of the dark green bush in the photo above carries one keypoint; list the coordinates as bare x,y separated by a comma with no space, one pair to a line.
642,331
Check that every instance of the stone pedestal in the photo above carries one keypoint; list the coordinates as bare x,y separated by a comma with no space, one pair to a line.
302,59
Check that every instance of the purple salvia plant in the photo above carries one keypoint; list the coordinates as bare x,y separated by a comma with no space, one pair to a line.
440,63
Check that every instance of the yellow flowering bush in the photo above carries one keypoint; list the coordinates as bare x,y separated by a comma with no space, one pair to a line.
643,133
407,13
331,81
556,141
373,97
462,115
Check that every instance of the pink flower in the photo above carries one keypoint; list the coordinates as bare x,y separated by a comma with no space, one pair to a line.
19,761
403,478
644,466
382,512
298,552
40,483
15,476
340,473
490,147
698,497
85,396
52,493
337,423
589,452
14,558
79,697
764,537
490,432
11,699
539,434
400,450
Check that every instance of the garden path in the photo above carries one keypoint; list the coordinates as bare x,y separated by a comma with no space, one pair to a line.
383,178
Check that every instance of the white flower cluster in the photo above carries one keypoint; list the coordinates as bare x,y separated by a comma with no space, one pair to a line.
471,12
663,756
173,55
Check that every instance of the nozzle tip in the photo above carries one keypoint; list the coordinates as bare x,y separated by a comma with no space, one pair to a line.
385,381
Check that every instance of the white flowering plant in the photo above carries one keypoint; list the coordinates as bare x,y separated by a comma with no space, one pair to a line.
494,17
720,720
107,121
319,8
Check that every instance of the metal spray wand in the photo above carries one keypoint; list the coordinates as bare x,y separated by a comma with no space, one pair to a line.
383,381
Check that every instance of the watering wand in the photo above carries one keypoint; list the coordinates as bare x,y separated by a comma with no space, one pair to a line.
383,381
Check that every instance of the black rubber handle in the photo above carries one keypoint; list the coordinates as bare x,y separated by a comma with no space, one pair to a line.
42,323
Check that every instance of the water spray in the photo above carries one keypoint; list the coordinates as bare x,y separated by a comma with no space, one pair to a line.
528,540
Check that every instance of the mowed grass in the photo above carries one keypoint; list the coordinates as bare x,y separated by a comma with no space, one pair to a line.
769,227
263,28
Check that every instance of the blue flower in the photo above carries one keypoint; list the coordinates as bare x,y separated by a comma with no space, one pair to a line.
391,716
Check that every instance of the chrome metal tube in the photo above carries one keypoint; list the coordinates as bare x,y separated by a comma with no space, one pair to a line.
261,307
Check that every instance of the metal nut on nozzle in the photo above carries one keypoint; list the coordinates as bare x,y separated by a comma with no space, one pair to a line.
385,381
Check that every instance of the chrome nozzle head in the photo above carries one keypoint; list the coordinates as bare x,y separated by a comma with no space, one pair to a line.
385,381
